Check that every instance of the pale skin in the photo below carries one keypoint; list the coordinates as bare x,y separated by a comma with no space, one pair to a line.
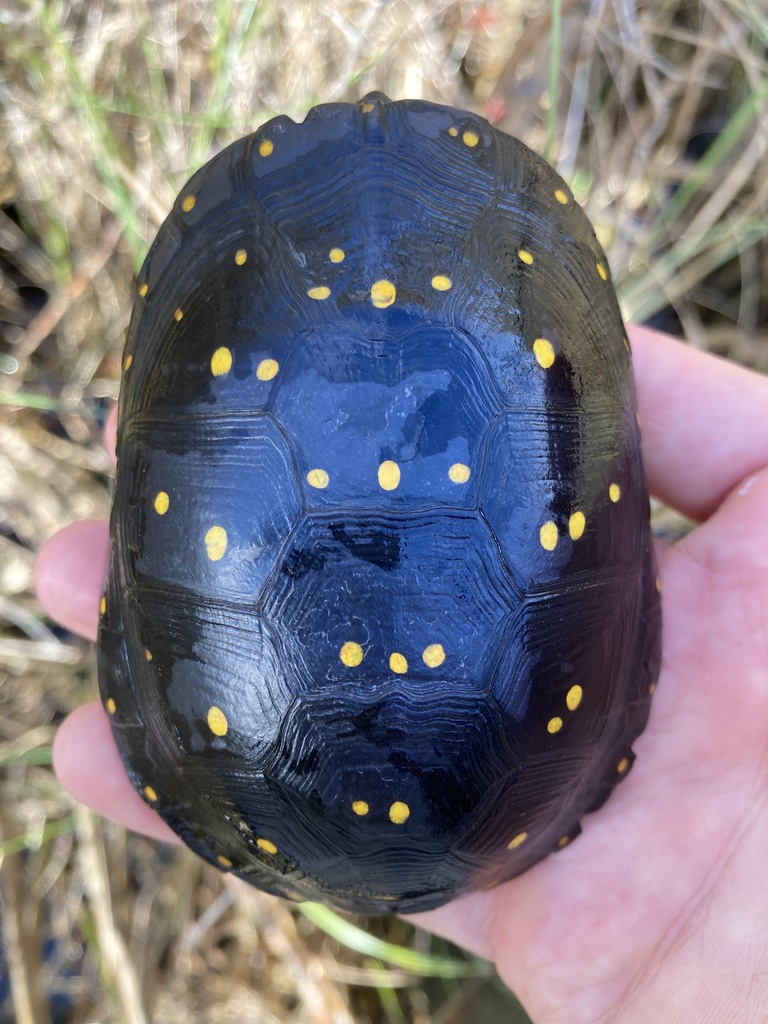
658,912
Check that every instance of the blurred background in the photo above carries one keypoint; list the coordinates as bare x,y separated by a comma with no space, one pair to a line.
655,113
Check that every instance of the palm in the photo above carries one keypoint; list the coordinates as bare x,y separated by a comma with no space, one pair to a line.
611,928
656,912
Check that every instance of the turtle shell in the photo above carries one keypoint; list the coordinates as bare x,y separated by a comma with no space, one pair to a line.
381,621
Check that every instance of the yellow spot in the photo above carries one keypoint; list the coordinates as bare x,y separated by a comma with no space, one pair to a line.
148,654
614,492
103,605
470,138
216,543
351,654
317,478
441,283
217,721
561,196
525,256
453,131
266,146
658,584
652,689
266,846
389,475
367,108
517,841
143,290
336,255
321,292
563,842
544,352
162,501
221,362
548,536
622,766
576,525
399,812
602,271
398,663
150,794
178,314
224,861
554,725
240,257
111,706
360,807
458,473
573,697
627,345
383,293
188,203
127,363
434,655
267,369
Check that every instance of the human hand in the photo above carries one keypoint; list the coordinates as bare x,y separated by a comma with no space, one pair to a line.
658,911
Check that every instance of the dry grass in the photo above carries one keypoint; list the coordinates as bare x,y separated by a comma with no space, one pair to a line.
657,116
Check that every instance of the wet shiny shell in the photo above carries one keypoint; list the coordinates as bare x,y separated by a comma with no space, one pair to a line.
381,621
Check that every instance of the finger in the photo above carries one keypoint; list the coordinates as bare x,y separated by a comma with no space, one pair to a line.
704,422
69,575
468,921
90,769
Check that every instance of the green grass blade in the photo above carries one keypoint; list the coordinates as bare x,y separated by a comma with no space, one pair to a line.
355,938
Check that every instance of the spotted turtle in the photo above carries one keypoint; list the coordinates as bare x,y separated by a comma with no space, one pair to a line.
381,621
